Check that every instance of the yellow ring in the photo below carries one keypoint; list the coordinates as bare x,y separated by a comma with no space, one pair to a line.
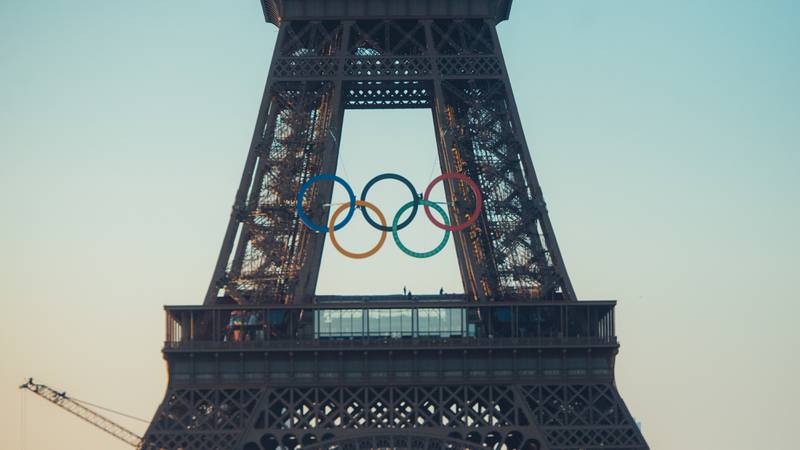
332,234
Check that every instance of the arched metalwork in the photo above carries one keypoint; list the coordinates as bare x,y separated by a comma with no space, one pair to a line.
400,441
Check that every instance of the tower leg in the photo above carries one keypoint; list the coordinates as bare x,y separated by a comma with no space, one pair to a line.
268,255
510,253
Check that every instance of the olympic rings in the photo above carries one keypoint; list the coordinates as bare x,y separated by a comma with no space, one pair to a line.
332,228
395,229
478,201
363,205
307,220
390,176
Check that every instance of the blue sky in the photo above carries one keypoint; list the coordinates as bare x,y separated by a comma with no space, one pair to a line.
665,135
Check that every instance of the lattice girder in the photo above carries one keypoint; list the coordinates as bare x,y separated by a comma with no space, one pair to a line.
556,416
454,66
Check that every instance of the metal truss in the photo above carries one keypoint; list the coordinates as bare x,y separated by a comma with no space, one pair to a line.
561,416
289,389
455,68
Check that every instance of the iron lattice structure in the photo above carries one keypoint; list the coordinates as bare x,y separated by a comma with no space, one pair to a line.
502,376
454,67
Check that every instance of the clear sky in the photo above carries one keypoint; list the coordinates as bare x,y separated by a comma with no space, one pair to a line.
665,135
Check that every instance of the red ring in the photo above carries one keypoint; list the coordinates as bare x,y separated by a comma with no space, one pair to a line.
475,191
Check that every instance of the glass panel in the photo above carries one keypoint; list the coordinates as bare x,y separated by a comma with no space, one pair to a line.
550,324
278,324
376,322
442,322
429,321
391,322
501,322
577,321
339,323
395,323
405,326
456,322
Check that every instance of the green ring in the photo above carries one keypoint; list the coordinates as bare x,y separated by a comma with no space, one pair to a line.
405,249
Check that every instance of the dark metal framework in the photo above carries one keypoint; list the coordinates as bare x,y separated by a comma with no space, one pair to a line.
528,367
452,66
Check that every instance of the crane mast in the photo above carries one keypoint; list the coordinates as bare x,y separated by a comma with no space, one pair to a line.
75,407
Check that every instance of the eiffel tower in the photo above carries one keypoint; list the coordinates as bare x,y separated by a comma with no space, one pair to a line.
516,362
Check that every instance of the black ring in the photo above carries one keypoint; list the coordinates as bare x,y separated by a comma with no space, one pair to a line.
390,176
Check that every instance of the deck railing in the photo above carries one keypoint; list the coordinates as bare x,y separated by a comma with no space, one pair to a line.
407,323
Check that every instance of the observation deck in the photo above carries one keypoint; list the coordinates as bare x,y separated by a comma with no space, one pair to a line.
276,11
369,339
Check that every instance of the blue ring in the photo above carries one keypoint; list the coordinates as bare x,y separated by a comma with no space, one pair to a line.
402,179
307,220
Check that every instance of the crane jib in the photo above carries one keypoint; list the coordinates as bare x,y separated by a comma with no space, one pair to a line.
74,407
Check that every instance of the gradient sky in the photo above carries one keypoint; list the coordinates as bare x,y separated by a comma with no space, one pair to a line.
665,135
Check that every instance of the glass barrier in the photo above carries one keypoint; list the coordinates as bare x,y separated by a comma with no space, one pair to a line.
365,321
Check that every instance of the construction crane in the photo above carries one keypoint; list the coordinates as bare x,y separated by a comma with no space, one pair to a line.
77,408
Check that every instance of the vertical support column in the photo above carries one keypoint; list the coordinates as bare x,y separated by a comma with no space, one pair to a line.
510,252
239,204
297,137
309,274
530,174
471,271
246,234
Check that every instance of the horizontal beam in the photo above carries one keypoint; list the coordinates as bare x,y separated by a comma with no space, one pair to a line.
386,302
386,70
276,11
395,344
